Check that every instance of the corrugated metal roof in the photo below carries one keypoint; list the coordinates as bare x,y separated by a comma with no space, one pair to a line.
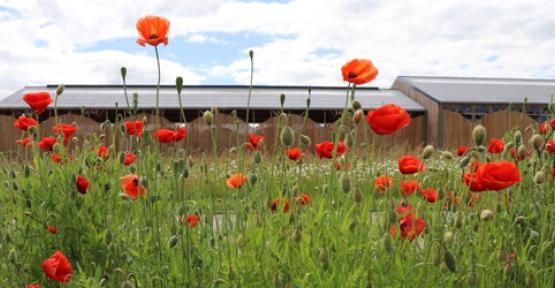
483,90
205,97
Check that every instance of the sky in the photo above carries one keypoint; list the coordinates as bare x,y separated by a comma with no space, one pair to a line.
297,42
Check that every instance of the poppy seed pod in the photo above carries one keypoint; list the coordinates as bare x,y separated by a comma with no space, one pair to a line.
479,135
539,178
123,71
486,215
518,138
60,90
357,196
286,136
179,84
345,182
428,151
356,105
537,142
208,118
447,155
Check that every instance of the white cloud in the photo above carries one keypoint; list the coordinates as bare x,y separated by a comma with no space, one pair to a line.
311,39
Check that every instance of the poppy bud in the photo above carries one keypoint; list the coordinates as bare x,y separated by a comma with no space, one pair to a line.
521,152
144,182
26,171
325,189
518,138
447,155
208,118
448,237
33,131
358,116
282,99
257,157
57,148
252,179
465,161
127,284
185,172
306,140
479,135
109,237
123,71
179,84
539,178
12,174
175,166
12,256
286,136
357,196
356,105
345,182
537,142
173,241
428,151
251,54
486,215
450,261
132,168
60,90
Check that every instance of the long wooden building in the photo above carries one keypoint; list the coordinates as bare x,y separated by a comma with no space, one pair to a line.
90,105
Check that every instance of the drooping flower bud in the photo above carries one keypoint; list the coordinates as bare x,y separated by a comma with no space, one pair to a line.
358,116
179,84
123,71
521,151
486,215
306,140
447,155
356,105
208,118
286,136
60,90
537,142
448,237
428,151
539,178
450,261
357,196
518,138
345,182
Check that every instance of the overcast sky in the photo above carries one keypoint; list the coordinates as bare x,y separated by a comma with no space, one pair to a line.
298,42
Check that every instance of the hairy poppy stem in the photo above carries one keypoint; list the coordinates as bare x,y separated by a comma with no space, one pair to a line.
251,55
157,88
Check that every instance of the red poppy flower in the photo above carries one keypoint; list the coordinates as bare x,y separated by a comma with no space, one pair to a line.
303,199
388,119
164,135
134,128
498,175
129,158
47,143
82,184
542,128
410,165
461,150
411,226
471,179
552,123
56,157
294,153
255,140
278,202
343,167
66,129
236,180
192,220
403,208
179,134
382,183
130,185
57,267
32,285
550,146
52,230
153,30
23,122
38,101
409,187
325,149
429,194
359,71
103,151
496,146
25,141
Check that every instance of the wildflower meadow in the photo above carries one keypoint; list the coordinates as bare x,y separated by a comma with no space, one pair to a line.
147,212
